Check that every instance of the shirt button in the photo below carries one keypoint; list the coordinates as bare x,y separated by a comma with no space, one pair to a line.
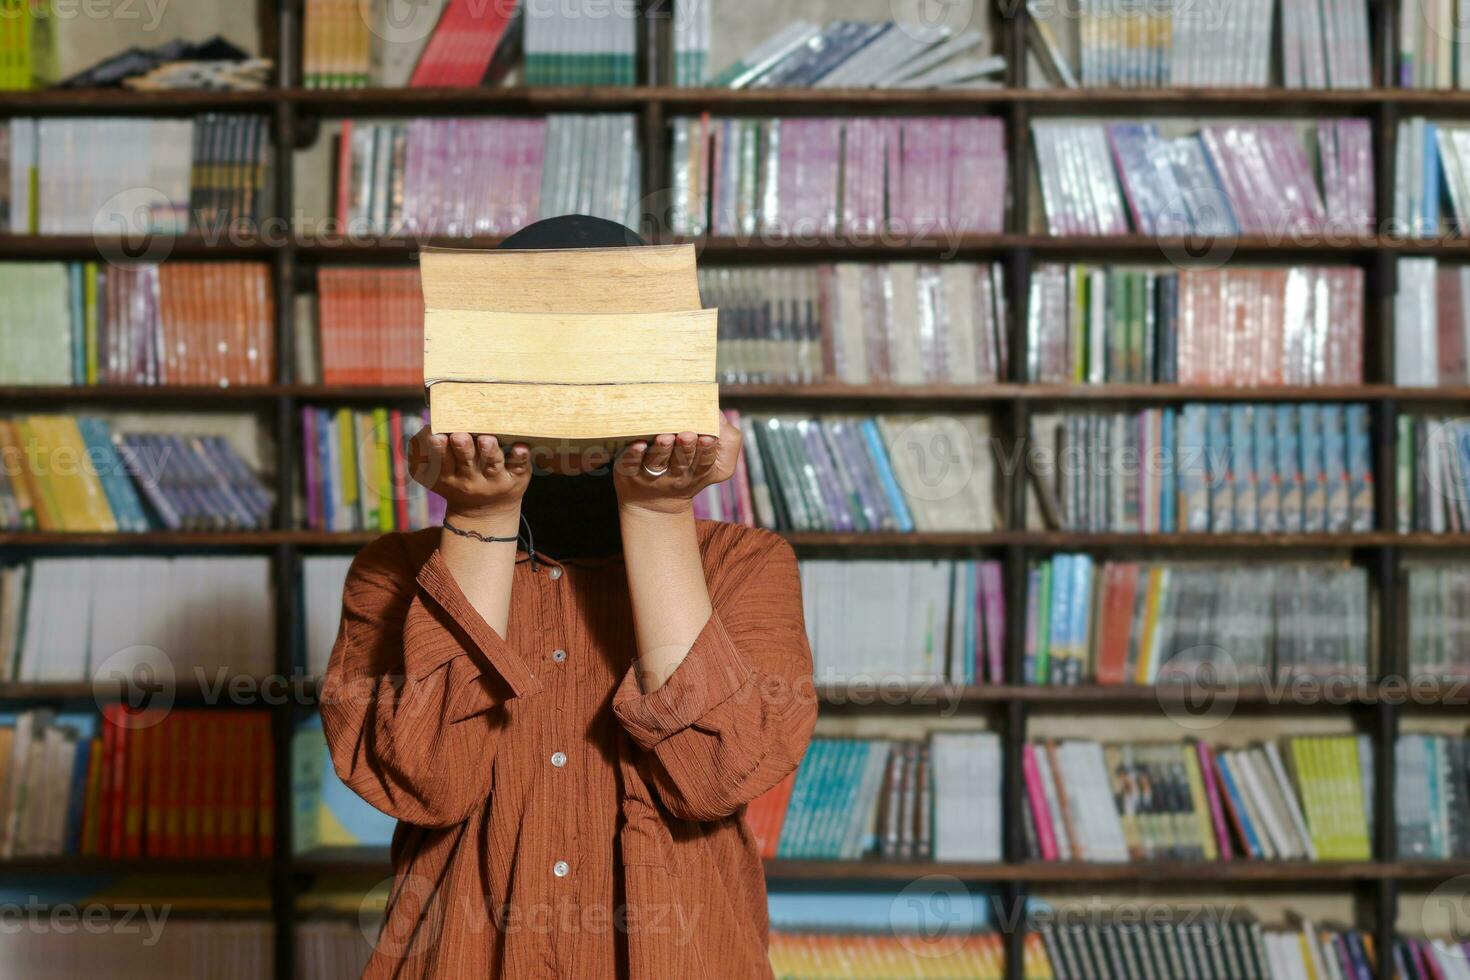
555,574
558,759
561,869
558,655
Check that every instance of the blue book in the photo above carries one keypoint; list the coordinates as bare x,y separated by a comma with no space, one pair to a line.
76,801
879,456
1431,177
1288,467
944,907
78,323
1220,457
1360,468
1081,612
1335,467
122,496
1237,803
1314,473
1192,456
1061,612
325,432
802,796
1243,455
1268,480
1169,478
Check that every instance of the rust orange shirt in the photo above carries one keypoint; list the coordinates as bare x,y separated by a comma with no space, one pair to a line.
554,821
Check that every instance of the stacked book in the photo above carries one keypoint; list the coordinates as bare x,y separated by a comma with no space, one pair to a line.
1198,941
882,622
466,177
171,619
1227,327
873,956
324,812
1264,469
1141,623
1310,798
936,800
888,473
370,326
123,481
170,783
1432,796
858,176
581,42
337,45
235,949
863,54
1439,620
1433,51
1227,178
860,323
1431,187
1322,45
1432,474
1431,324
130,177
355,471
179,323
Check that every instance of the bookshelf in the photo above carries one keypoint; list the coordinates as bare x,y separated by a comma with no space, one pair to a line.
296,115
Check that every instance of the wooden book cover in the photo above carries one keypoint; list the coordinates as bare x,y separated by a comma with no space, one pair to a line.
568,343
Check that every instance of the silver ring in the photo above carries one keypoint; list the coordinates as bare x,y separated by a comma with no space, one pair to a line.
655,473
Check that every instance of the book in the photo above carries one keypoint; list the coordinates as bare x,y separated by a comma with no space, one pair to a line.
1433,473
922,177
583,42
1431,783
1234,326
842,955
1431,323
370,326
460,50
234,932
1439,619
1431,190
1168,469
552,365
354,470
428,176
1431,52
876,622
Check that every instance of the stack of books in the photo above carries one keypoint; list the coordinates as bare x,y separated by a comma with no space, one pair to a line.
1431,170
129,177
173,619
170,783
179,323
936,800
1237,178
860,323
873,956
466,177
1309,798
1228,327
924,176
1432,796
1322,45
1138,623
355,471
123,481
887,473
861,54
370,326
883,622
1263,469
1432,474
1433,54
1439,620
235,949
581,42
1431,324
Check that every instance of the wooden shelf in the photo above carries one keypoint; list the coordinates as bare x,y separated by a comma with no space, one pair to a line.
124,867
246,245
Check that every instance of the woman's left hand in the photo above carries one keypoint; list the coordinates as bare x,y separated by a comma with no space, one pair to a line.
666,473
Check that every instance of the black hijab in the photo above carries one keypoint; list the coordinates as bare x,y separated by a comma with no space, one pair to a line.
572,516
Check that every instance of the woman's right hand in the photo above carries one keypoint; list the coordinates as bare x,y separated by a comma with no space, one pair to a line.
474,475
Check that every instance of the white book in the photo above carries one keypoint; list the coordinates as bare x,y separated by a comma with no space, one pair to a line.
1257,778
1293,805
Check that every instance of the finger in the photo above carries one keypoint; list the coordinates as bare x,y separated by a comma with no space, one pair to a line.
426,456
685,446
657,456
490,456
631,458
706,453
462,453
519,459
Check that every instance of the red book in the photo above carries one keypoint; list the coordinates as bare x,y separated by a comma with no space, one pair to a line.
174,732
463,43
766,814
1213,795
226,750
1120,589
266,783
192,763
1046,840
110,728
156,788
135,788
344,175
208,773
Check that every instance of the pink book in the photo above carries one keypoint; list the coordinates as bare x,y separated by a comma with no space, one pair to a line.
744,510
993,597
1040,813
1212,793
313,487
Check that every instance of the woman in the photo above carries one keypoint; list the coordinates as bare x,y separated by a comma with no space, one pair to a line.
568,726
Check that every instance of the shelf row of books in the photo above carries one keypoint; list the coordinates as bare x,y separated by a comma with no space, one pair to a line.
1106,44
1123,622
1431,317
183,783
80,473
1432,471
860,323
1439,619
370,326
146,941
173,323
166,620
130,177
486,176
1182,177
1206,468
1433,54
800,177
1431,190
356,471
1227,327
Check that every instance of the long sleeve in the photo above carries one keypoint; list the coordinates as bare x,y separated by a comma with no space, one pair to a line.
736,715
411,703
